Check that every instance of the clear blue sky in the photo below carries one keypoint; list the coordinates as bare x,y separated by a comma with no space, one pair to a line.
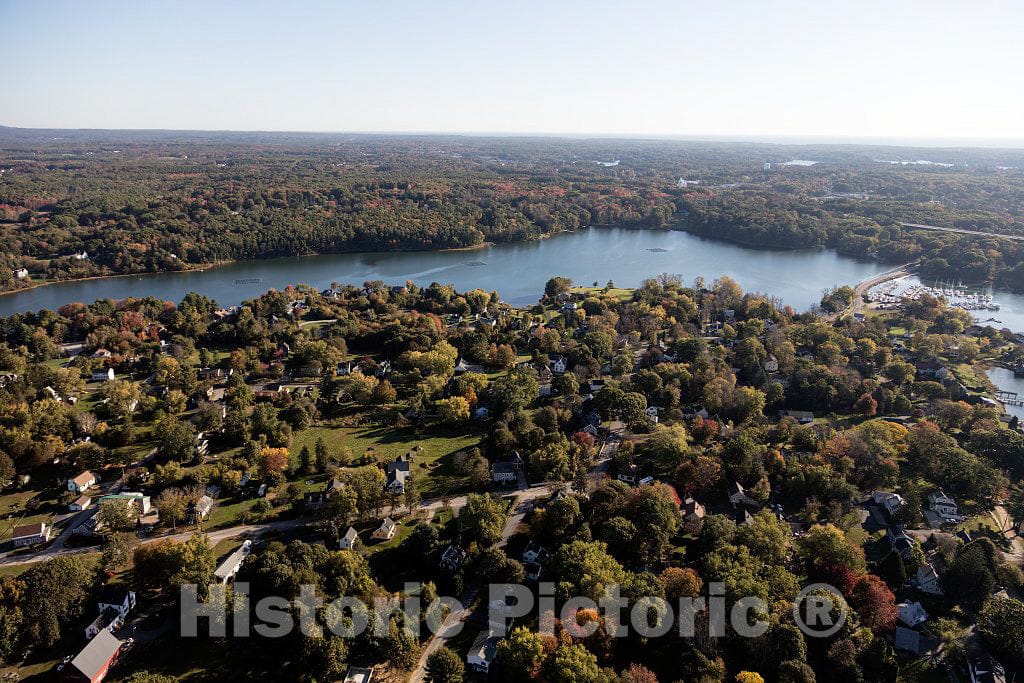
866,68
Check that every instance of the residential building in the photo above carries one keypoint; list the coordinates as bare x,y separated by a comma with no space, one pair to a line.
103,375
943,505
927,580
482,651
912,614
738,496
452,558
692,511
358,674
398,474
82,482
80,503
94,661
230,566
892,502
30,534
141,502
386,530
348,540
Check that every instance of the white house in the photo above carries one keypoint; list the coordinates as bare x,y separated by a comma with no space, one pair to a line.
943,505
386,530
558,364
348,541
103,375
82,482
481,653
892,502
117,598
927,580
30,534
230,566
358,674
912,614
80,503
21,273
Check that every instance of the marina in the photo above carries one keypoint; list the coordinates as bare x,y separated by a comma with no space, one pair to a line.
892,295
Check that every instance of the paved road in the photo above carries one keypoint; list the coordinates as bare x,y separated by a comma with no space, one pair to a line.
864,285
961,231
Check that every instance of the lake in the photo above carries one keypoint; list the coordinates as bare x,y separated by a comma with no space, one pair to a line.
1005,379
518,271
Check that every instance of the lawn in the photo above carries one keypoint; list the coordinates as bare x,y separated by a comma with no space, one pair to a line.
14,511
433,463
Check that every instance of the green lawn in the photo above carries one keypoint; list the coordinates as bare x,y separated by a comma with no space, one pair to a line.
14,511
433,464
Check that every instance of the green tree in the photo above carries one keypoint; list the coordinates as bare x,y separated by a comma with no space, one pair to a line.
481,519
444,666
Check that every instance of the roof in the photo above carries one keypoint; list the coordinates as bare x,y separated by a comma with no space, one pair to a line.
230,565
97,654
357,674
112,595
351,534
387,524
84,478
484,647
29,530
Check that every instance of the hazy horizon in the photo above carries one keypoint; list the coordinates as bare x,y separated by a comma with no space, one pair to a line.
912,72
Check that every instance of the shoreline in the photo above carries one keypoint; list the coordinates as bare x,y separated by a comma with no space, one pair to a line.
200,267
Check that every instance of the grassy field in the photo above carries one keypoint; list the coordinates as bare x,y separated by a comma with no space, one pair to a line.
433,464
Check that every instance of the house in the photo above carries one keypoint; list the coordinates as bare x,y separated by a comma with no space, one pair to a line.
507,471
386,530
82,482
82,256
202,508
535,553
141,502
804,417
771,364
383,368
21,273
558,364
30,534
912,614
692,511
944,506
398,474
115,597
927,580
984,669
92,663
695,410
114,605
358,674
900,542
452,558
628,474
230,566
738,496
103,375
481,652
348,540
892,502
80,503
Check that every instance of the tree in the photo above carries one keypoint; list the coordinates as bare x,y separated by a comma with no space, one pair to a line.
322,454
519,656
1001,624
585,568
572,664
875,603
749,677
117,552
793,671
681,583
173,506
481,519
176,439
273,462
118,514
444,666
400,647
56,596
453,410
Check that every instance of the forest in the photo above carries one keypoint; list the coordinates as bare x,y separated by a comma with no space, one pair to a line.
79,204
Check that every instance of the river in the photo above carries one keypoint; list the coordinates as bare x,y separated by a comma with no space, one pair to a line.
518,271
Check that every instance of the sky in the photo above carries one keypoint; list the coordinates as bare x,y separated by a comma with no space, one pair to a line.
911,69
